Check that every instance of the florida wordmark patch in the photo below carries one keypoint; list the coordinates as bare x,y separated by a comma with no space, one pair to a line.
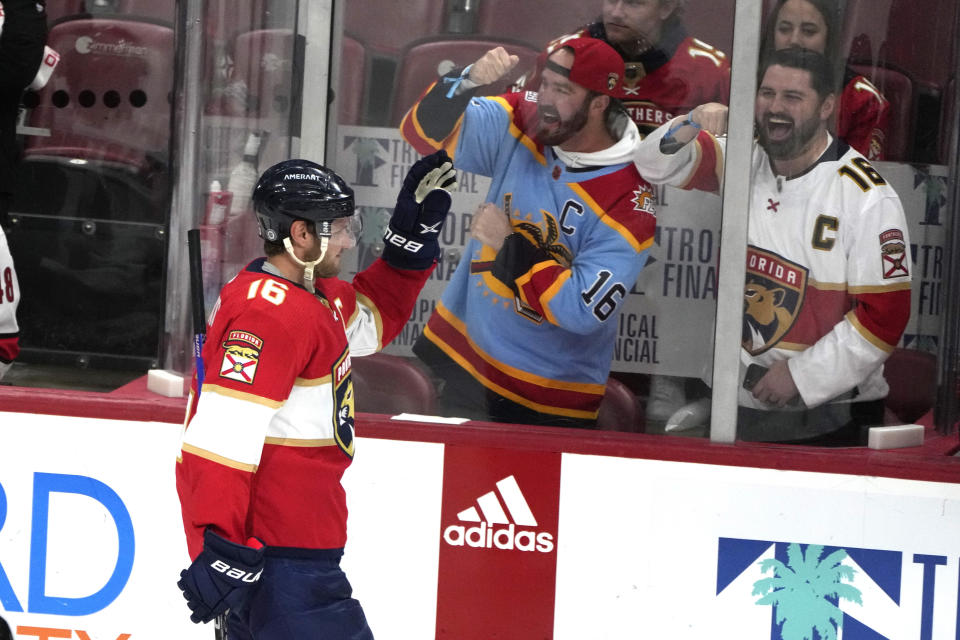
241,356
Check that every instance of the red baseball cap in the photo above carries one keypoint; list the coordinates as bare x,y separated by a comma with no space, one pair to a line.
596,66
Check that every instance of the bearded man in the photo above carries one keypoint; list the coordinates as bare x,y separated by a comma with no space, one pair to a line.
827,291
525,330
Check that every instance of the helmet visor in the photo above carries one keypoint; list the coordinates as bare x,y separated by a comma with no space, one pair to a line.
343,230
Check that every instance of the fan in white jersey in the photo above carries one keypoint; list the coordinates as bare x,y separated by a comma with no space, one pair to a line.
827,292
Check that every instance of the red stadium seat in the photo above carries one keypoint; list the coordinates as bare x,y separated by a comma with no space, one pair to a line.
912,376
865,28
620,409
913,36
163,10
536,22
63,10
225,19
386,27
922,41
353,73
898,89
109,98
425,61
712,23
390,384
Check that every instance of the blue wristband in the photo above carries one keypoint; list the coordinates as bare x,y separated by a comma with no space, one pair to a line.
455,82
686,122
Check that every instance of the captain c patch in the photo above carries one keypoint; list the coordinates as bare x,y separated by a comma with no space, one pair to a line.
893,254
241,353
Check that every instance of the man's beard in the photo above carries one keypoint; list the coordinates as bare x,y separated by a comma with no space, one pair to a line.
326,270
565,130
794,144
329,267
632,47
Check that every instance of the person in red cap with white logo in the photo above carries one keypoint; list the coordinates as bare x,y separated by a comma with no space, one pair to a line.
668,71
525,330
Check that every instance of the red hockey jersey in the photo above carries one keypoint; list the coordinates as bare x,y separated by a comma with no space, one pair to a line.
864,118
268,438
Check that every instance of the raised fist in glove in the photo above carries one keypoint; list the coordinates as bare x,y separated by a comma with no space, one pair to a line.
222,576
412,238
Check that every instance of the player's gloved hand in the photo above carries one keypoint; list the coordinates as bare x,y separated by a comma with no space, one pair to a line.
221,577
411,240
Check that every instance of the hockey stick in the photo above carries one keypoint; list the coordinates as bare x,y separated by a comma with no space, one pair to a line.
196,302
199,337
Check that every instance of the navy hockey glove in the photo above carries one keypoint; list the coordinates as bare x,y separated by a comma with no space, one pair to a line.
412,239
221,577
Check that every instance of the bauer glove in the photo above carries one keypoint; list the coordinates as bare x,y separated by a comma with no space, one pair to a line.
222,576
411,239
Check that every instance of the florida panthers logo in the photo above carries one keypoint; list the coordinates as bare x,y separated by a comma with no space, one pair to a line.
343,405
772,297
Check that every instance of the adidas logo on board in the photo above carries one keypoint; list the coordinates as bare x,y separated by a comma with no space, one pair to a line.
490,532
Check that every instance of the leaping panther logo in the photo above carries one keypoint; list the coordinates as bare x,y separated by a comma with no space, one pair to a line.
772,296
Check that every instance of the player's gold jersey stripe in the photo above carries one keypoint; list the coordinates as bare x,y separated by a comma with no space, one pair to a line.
312,382
300,442
213,457
241,395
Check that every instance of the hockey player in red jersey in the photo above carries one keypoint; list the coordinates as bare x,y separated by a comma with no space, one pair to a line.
863,114
270,430
668,71
827,292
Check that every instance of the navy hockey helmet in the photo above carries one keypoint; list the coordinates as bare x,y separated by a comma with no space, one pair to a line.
300,190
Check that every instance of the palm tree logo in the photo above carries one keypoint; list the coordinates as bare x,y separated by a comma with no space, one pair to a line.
806,590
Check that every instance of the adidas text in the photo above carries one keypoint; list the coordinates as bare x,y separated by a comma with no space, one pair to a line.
483,537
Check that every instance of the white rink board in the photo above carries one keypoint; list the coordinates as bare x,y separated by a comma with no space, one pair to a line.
638,545
393,533
638,542
133,461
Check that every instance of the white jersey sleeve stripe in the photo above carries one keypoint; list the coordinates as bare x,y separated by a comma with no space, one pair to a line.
228,427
